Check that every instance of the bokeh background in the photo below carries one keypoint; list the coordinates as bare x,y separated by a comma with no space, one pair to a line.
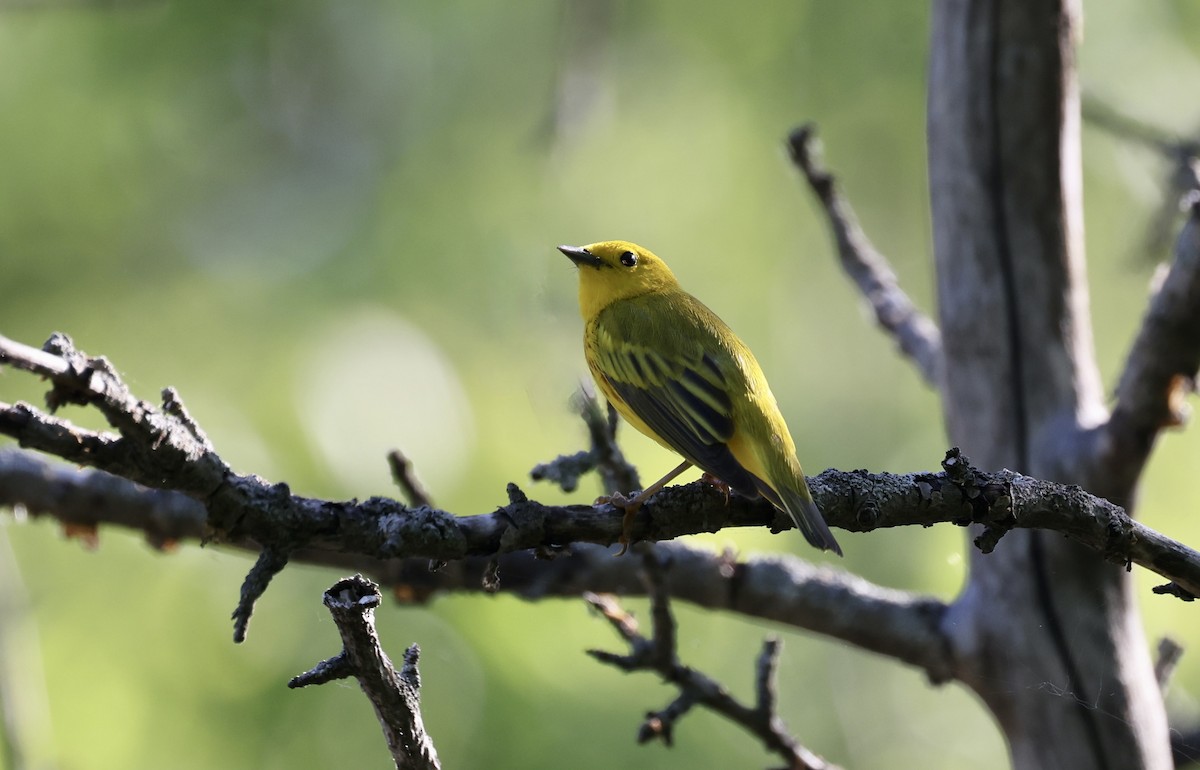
331,225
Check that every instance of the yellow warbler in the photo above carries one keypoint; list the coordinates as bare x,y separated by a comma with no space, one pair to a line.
677,373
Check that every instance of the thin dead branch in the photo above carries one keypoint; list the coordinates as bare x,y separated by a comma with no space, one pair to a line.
396,695
916,334
658,653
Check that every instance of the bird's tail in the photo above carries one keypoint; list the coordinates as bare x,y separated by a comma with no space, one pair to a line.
800,506
785,487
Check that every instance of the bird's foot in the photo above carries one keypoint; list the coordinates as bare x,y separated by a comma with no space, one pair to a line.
716,484
630,505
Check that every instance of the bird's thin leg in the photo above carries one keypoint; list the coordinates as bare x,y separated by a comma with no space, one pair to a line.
633,503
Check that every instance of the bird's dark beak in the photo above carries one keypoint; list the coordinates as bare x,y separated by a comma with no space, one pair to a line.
581,256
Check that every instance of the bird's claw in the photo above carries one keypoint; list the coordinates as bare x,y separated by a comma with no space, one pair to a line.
630,505
716,484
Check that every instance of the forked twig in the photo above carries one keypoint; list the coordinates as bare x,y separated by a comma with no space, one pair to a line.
658,653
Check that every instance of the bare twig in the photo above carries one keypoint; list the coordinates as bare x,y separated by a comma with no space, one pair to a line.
173,405
270,563
616,473
604,456
1103,115
658,653
406,478
1182,153
917,334
396,696
1169,654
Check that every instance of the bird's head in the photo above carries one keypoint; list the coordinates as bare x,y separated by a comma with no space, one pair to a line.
616,270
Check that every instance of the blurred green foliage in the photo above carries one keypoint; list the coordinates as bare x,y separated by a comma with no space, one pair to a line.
331,225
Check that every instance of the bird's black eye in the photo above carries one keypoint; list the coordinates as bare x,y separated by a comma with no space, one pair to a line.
629,259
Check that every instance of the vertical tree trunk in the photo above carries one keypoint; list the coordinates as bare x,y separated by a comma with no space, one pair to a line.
1046,634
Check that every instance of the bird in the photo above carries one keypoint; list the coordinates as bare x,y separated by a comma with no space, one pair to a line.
676,372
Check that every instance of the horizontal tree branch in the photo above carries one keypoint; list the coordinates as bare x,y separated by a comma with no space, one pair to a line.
164,450
84,499
249,507
781,589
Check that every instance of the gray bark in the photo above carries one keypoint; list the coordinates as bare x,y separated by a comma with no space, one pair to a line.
1047,634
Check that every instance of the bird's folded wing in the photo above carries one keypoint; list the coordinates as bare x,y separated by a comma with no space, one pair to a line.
684,400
